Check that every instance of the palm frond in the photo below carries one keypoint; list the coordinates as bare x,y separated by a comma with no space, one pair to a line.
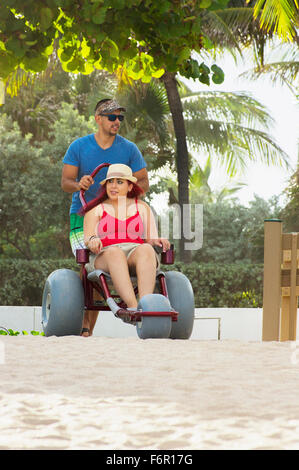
279,15
17,79
283,73
200,176
226,27
281,66
150,102
227,107
2,92
233,145
199,187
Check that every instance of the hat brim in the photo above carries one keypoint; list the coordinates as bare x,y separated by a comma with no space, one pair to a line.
120,109
114,109
132,179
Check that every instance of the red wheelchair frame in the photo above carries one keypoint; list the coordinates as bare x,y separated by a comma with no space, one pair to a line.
101,284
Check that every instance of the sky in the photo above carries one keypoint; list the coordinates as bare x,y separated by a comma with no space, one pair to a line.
262,180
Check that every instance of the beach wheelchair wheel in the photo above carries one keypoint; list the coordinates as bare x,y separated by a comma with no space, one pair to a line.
154,326
181,297
62,304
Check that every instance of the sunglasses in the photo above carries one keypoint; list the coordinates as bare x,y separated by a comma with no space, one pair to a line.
113,117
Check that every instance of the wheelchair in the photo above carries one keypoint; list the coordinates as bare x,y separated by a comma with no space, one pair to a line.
167,313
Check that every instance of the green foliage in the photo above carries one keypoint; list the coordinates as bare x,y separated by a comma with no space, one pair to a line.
214,285
147,121
34,221
282,15
22,281
199,188
10,332
28,199
233,127
202,72
35,104
69,126
224,285
290,213
146,38
233,233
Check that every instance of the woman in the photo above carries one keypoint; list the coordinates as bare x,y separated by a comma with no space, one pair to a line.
121,233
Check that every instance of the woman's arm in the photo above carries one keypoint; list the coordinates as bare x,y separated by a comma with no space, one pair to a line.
150,228
91,239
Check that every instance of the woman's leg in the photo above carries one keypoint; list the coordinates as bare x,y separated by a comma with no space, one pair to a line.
114,261
143,261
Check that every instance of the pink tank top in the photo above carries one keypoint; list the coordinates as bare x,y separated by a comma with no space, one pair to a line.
112,230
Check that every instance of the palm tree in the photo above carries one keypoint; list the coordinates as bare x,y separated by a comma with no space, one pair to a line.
236,26
232,127
281,65
36,98
200,190
147,121
282,16
230,28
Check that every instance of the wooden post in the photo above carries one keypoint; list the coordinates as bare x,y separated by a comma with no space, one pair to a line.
285,286
288,325
293,296
272,279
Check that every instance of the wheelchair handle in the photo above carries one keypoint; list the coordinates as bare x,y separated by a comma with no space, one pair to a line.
82,191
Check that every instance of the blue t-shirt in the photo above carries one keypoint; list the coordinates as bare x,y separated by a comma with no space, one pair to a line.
86,154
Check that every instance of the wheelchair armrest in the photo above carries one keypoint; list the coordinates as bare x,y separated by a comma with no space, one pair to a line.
167,257
82,256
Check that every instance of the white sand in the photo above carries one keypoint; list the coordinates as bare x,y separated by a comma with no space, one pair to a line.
105,393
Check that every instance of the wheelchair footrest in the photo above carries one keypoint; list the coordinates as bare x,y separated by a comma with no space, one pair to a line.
136,316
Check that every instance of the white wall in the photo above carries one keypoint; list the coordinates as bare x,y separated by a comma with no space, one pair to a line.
21,318
244,324
211,323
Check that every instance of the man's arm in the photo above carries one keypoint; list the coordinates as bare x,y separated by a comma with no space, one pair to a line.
68,179
142,179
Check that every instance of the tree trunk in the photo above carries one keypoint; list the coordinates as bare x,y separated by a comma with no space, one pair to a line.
182,159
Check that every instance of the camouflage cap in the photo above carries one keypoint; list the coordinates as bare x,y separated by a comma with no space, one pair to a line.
108,107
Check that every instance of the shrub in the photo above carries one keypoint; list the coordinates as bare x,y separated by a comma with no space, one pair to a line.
214,285
10,332
22,281
226,285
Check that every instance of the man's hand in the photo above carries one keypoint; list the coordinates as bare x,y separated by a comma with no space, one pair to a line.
69,181
85,182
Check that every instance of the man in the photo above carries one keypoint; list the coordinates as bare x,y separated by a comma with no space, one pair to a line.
83,156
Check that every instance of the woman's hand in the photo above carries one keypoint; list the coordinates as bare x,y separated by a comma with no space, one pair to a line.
161,242
95,245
